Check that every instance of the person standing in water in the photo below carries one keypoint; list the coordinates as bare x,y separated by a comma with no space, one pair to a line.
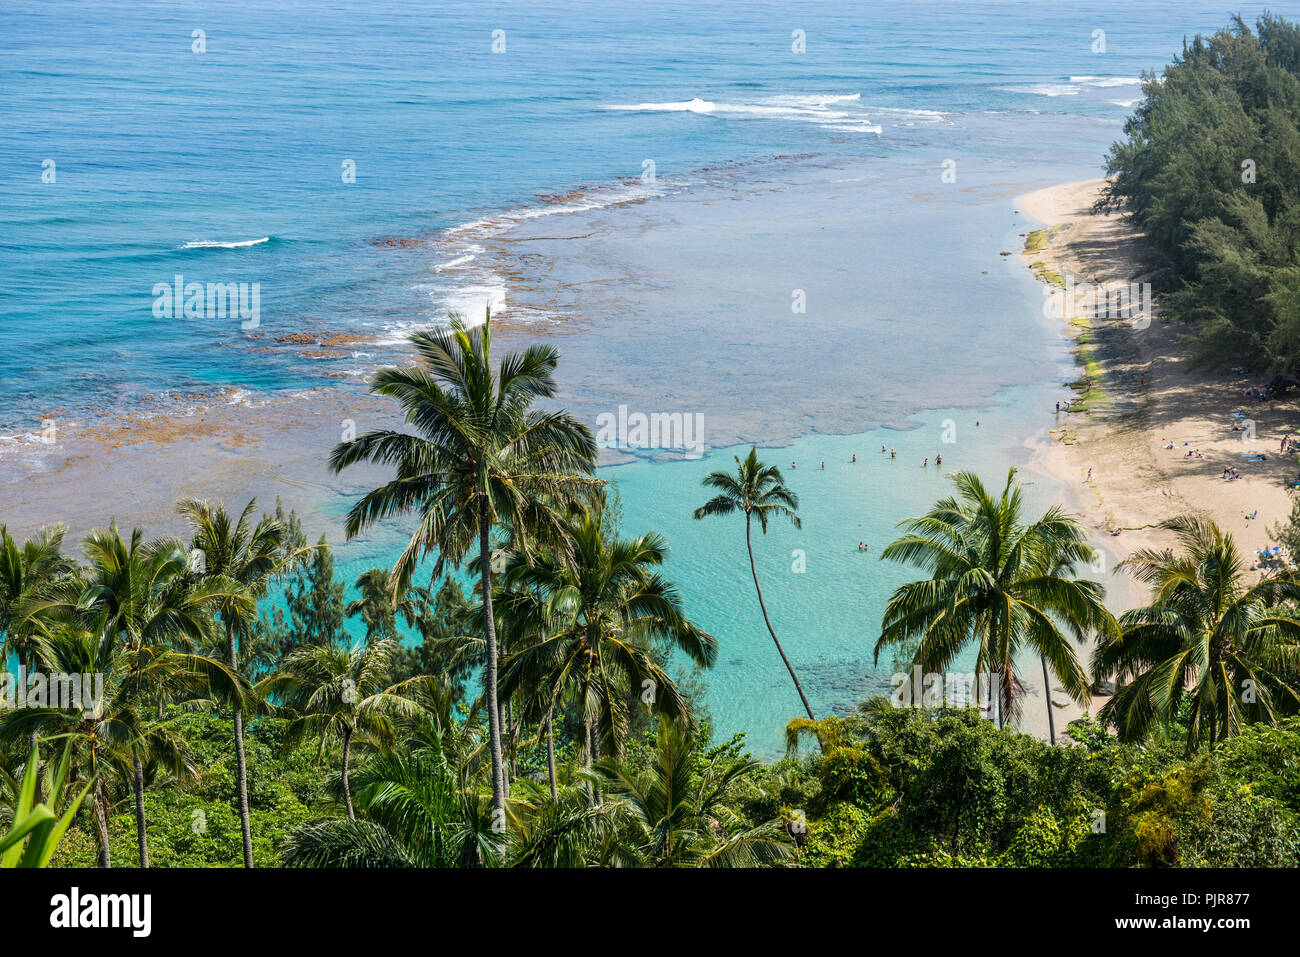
938,460
926,463
893,454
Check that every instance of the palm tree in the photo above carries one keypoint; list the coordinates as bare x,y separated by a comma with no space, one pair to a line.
415,810
591,621
135,597
239,560
482,457
679,808
1229,650
28,574
760,492
338,693
412,815
996,580
116,735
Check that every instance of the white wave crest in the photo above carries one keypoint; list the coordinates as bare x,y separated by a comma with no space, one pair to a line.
1106,81
215,244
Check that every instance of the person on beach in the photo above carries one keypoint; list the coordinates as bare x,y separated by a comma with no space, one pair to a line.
1058,408
1089,475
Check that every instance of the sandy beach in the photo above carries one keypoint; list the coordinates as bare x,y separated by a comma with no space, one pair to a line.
1115,457
1151,398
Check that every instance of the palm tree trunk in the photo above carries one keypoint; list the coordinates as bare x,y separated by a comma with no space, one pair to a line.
763,607
510,737
550,754
347,785
101,822
241,765
141,837
34,748
1047,696
591,788
490,678
33,745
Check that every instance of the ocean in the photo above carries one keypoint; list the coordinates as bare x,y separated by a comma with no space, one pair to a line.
783,221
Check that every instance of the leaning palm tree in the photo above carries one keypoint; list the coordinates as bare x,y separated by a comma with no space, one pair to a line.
339,693
586,627
680,809
996,581
758,491
1230,650
482,457
238,561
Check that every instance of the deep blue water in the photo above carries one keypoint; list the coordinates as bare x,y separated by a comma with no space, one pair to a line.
156,146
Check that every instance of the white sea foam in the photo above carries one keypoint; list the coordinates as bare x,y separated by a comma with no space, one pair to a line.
1044,89
215,244
804,108
686,106
457,262
1107,81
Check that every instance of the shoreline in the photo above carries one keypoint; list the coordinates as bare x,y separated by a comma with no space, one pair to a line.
1113,458
270,444
1150,397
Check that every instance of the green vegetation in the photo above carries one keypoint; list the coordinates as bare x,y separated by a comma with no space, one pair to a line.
1210,170
1040,239
546,720
1048,275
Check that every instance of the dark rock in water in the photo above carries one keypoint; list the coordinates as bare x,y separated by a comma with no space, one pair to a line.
1103,687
